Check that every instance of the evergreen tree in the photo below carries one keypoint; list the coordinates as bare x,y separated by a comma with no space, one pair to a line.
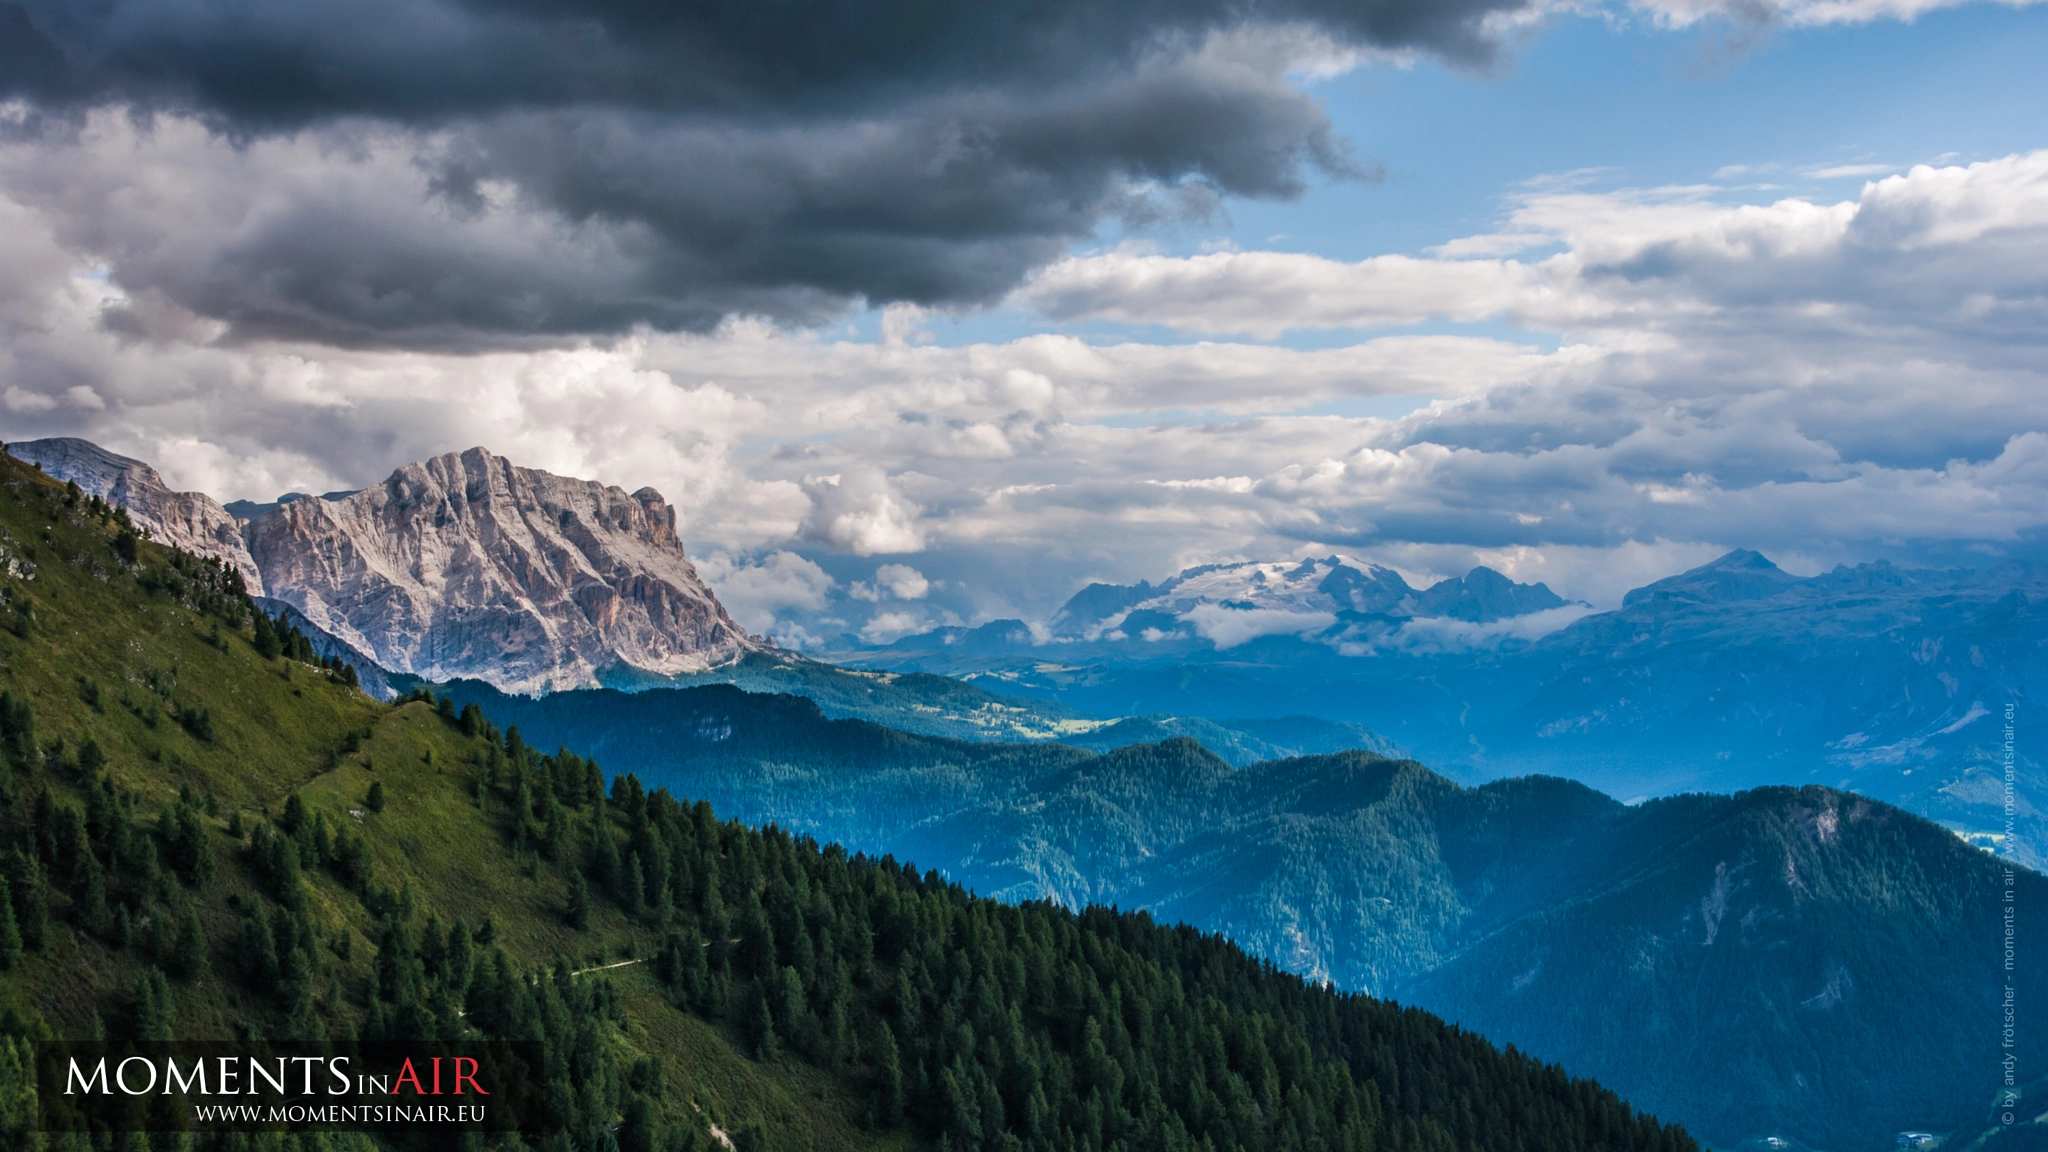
10,936
256,951
636,1129
89,896
632,884
888,1077
268,645
29,894
604,852
189,961
155,1008
760,1025
554,830
579,901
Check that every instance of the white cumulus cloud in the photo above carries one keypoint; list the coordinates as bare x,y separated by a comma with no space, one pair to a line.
1798,13
760,591
861,512
886,626
1229,627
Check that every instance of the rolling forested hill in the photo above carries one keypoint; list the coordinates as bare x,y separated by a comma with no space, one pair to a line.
1802,963
206,833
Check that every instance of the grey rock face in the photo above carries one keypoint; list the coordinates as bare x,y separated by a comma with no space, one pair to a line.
468,566
192,521
460,566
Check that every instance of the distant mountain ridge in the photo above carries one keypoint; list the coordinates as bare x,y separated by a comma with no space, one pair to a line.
462,565
1884,680
1887,681
1215,610
1334,584
1225,605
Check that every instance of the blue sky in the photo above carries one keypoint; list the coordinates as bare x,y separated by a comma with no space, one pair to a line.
1623,102
1637,104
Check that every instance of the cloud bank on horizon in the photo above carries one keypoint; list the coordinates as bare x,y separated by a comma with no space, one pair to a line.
287,248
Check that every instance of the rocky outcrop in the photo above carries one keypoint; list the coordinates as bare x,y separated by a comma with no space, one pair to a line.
192,521
468,566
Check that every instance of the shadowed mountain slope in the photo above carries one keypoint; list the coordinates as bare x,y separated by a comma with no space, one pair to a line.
1759,964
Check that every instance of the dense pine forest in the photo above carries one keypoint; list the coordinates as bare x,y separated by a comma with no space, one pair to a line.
208,834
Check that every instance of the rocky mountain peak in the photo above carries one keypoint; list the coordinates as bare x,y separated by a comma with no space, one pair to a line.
467,565
462,566
1738,575
1335,584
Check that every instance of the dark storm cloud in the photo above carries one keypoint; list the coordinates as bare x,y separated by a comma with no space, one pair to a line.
708,159
265,63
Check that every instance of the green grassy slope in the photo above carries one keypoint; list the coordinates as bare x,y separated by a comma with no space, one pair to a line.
110,661
203,839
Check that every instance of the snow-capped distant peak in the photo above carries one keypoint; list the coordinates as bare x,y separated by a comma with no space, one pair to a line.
1287,591
1288,586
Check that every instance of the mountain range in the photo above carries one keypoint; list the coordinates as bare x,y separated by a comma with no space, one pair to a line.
1343,603
1789,939
1887,681
1199,599
468,566
1890,682
207,835
1760,965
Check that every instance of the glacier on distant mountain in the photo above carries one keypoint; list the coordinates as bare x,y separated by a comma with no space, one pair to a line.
1308,589
1345,604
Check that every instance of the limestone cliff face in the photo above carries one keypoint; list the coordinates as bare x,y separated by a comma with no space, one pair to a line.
192,521
461,566
468,566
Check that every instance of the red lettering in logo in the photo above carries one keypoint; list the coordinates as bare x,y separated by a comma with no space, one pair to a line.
405,1074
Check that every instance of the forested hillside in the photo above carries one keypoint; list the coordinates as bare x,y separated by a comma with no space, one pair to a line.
1758,964
207,835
